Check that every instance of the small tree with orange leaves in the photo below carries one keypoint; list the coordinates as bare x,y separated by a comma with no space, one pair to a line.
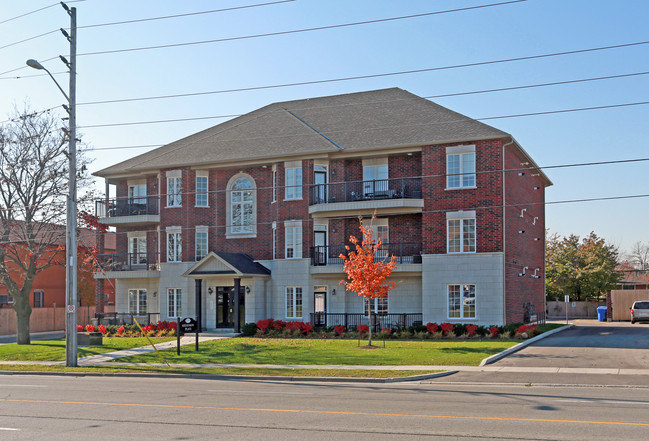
366,276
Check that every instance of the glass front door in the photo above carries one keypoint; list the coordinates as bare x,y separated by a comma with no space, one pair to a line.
225,306
320,306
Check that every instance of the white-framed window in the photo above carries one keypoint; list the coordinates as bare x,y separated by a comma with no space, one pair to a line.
174,188
293,180
274,183
137,193
201,242
460,166
137,253
293,239
202,189
461,232
242,206
294,302
461,301
174,300
379,305
174,246
375,177
137,301
39,298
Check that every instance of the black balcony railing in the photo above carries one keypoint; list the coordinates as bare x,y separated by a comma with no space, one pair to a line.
404,252
127,206
399,188
129,262
351,320
126,318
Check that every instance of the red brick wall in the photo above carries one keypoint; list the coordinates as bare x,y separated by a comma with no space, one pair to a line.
485,199
521,250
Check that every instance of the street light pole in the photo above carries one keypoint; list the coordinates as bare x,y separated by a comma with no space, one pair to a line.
71,206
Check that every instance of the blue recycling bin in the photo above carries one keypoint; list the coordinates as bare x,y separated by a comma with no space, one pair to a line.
601,313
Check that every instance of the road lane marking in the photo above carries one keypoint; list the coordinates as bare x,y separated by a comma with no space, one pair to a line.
330,412
22,385
9,429
595,400
243,392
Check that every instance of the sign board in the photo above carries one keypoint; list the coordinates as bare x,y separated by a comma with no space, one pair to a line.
188,325
567,299
70,308
574,304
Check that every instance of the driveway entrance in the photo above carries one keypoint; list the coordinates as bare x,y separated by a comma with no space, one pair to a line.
589,344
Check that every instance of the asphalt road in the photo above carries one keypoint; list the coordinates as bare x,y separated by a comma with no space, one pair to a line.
68,408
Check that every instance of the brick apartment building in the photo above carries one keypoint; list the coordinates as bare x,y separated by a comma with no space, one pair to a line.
263,205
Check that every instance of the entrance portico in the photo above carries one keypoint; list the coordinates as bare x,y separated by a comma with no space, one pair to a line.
223,282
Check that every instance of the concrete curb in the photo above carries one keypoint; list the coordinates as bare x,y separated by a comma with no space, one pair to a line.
518,347
238,377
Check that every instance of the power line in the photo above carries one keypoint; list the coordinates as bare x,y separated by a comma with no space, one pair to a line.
272,34
37,10
303,83
147,19
549,112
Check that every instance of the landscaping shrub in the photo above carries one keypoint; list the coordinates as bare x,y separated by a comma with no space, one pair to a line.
249,329
417,328
432,327
446,328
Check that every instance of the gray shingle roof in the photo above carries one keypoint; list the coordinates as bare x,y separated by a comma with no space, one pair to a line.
374,120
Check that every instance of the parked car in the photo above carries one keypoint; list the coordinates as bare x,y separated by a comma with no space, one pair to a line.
640,311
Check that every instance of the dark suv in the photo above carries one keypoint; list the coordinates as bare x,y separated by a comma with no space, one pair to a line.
640,311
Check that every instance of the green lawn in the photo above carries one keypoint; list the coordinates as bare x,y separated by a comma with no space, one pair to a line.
54,350
333,352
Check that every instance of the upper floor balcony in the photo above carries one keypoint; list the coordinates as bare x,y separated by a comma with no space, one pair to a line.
406,254
128,265
128,211
382,196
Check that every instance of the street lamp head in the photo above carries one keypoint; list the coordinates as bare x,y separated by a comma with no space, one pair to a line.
35,64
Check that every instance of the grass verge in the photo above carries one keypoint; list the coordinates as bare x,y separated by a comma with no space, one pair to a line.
54,350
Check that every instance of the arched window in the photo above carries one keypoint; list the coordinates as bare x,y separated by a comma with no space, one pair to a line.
242,210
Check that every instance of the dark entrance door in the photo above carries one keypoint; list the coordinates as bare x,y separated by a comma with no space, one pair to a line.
320,306
320,248
320,187
225,306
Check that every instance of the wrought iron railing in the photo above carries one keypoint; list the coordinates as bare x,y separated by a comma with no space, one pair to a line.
129,261
404,252
399,188
126,318
127,206
351,320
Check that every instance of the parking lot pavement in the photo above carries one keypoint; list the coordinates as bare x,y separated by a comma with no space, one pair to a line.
589,344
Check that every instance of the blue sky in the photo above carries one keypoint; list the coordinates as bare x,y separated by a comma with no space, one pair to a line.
520,29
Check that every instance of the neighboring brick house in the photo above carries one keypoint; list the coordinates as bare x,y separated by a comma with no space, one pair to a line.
48,289
263,205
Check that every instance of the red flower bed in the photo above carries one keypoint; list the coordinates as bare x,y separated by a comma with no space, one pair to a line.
528,329
432,327
363,329
446,328
493,331
339,330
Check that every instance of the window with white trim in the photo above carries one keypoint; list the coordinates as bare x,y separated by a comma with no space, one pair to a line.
174,300
460,167
201,242
137,301
201,189
137,253
174,189
137,193
294,302
174,246
375,177
379,306
293,180
293,240
461,235
461,301
242,207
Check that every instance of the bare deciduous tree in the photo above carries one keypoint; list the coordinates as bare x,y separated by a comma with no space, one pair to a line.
33,192
639,256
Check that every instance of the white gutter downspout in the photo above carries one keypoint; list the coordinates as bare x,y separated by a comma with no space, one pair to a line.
504,234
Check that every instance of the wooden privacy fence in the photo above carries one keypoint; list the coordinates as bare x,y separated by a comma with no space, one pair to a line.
46,319
557,309
622,299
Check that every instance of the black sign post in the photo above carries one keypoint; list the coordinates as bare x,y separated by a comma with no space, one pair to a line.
186,325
